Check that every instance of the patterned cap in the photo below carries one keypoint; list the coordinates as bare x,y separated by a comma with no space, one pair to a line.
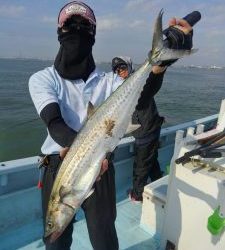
76,8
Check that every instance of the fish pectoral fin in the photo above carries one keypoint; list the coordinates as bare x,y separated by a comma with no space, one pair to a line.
90,110
132,127
68,196
63,191
70,201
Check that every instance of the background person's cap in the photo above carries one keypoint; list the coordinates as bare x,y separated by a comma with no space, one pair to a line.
117,61
122,60
76,8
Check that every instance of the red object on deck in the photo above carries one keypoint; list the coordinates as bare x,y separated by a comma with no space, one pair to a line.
40,185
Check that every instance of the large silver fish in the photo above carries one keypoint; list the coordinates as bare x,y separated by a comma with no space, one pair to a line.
100,134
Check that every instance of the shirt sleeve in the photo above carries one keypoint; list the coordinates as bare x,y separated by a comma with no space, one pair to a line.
42,90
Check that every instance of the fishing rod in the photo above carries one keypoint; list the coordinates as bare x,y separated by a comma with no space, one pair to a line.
214,153
215,142
205,140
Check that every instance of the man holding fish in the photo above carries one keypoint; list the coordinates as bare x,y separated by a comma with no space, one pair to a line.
78,170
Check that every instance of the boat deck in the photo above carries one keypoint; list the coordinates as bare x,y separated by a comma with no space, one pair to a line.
20,211
131,235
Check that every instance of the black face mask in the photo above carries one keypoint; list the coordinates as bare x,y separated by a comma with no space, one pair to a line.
74,59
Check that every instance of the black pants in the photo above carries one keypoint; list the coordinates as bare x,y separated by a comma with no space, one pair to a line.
99,209
146,163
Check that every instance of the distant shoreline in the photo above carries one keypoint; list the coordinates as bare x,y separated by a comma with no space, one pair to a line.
174,66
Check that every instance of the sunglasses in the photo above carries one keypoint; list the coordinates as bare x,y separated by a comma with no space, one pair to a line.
79,25
121,68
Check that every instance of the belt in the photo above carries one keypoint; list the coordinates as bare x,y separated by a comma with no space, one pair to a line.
46,160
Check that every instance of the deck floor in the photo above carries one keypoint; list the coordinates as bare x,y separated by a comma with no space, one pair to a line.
131,235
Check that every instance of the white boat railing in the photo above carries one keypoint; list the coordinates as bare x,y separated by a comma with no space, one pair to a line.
20,199
12,172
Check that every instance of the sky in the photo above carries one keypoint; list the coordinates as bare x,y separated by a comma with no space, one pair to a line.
28,28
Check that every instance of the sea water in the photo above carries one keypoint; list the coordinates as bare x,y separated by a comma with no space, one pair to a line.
187,93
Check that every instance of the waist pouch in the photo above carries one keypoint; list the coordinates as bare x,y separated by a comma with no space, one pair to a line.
50,161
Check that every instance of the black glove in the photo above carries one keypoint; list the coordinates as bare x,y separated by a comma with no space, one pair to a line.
176,39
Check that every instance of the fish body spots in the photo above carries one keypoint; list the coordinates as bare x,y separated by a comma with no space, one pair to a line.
109,125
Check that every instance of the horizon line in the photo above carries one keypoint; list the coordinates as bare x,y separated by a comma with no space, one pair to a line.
99,62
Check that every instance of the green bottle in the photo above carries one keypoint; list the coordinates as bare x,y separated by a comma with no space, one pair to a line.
216,223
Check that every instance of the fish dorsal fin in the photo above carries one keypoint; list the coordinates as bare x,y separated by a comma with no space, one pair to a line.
132,127
90,109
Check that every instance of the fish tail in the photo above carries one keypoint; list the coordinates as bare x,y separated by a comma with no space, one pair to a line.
159,52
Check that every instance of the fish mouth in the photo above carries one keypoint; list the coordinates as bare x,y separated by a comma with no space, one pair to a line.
51,238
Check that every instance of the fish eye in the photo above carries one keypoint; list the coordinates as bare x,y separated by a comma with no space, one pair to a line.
50,224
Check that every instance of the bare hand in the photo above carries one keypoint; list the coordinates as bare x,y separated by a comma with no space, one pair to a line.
158,69
63,152
181,24
104,167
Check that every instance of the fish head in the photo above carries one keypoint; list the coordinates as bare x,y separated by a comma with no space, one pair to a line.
57,219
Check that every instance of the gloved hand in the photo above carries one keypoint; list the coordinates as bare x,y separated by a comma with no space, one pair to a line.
177,39
179,34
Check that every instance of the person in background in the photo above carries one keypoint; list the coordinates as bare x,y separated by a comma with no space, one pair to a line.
61,94
122,66
146,143
146,137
